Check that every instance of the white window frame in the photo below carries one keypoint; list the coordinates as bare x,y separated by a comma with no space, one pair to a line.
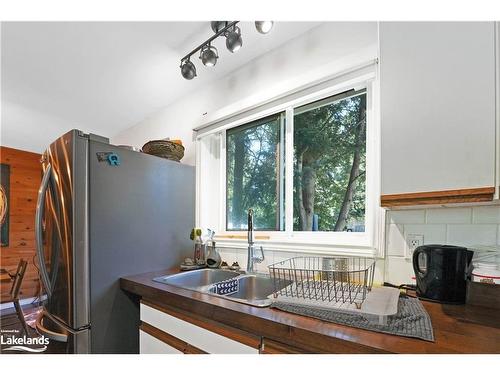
368,243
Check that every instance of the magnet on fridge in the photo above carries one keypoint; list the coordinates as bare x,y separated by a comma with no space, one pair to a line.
113,159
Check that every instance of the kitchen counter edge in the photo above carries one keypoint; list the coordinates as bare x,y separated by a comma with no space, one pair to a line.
457,328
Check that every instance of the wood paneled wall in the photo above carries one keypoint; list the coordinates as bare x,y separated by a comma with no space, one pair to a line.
25,177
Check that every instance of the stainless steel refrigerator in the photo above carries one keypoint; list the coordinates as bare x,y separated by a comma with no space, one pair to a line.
104,212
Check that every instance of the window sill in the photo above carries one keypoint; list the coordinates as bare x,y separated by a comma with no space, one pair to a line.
294,245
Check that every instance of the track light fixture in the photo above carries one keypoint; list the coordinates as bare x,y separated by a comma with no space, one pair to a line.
188,70
209,54
233,39
218,25
264,27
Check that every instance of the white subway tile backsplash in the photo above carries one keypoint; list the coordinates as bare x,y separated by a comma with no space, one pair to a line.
228,255
406,217
399,271
449,215
283,255
241,258
378,277
263,266
465,226
395,240
486,215
472,234
433,233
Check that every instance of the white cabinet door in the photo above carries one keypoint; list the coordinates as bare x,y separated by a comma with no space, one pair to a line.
198,337
151,345
437,82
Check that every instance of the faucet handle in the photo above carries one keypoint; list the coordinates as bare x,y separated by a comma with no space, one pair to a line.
259,258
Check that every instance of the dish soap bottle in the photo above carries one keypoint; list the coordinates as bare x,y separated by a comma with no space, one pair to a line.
199,247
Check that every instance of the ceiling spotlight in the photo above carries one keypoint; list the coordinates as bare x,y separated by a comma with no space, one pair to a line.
208,55
264,27
188,70
218,25
233,39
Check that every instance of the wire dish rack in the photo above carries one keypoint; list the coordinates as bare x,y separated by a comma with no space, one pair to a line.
324,279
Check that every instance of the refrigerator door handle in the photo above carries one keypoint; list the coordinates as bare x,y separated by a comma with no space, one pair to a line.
44,275
56,336
61,336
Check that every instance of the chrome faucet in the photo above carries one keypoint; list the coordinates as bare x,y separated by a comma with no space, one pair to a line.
252,257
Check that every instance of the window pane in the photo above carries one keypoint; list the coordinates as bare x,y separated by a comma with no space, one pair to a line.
329,164
253,170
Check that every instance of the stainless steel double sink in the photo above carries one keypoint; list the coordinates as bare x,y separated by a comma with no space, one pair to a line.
253,289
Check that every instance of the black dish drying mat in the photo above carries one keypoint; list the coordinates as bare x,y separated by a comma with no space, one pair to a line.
411,319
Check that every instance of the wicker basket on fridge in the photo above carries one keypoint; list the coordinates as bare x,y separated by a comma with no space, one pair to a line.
164,149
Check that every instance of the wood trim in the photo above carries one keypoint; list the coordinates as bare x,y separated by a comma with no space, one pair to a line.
438,197
170,340
218,328
190,349
269,346
240,237
484,295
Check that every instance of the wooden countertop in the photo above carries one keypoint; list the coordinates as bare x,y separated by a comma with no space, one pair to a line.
457,328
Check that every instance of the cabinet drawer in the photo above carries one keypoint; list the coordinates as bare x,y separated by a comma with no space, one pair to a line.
198,337
151,345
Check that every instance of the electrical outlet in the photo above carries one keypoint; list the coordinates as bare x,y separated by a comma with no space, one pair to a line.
412,242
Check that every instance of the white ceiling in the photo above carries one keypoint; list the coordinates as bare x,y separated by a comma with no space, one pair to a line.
104,77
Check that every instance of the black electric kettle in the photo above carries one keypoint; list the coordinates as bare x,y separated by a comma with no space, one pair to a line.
441,272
